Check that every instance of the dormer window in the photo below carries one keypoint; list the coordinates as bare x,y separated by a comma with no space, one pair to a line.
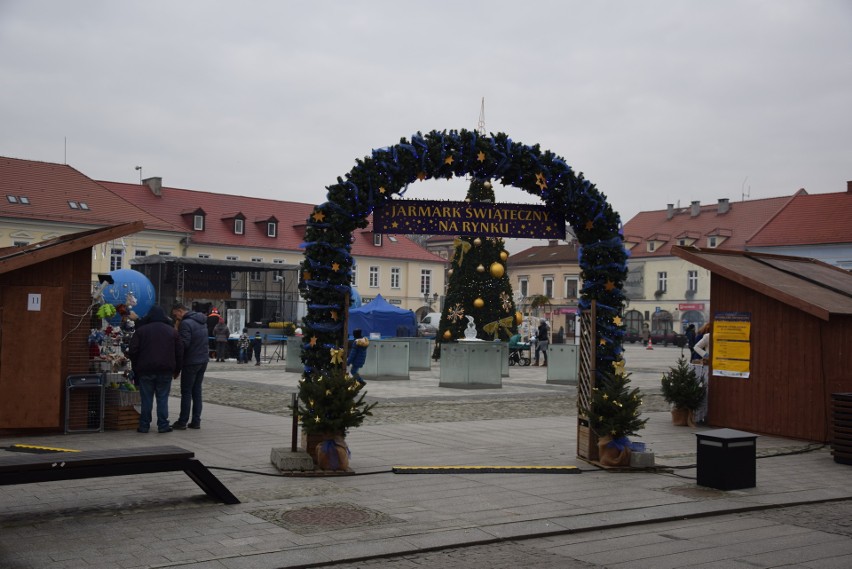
271,229
712,241
198,222
377,239
239,226
652,245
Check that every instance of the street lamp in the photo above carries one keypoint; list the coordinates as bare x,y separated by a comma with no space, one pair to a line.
430,299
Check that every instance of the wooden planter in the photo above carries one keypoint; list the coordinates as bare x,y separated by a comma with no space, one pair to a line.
120,412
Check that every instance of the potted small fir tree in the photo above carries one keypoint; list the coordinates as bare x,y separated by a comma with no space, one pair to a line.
684,390
330,403
614,415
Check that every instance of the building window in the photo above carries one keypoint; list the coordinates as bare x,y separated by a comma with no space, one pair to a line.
711,241
395,277
141,253
353,276
570,287
377,239
255,276
232,258
271,229
278,275
11,198
116,259
692,281
681,242
662,281
374,277
257,259
164,253
84,206
20,243
547,286
651,246
198,222
73,205
425,281
278,261
204,255
523,287
239,228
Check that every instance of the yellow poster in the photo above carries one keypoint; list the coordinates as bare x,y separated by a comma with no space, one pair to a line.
731,344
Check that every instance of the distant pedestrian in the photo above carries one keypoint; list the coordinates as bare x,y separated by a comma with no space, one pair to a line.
256,343
245,347
156,357
358,355
221,333
542,341
193,336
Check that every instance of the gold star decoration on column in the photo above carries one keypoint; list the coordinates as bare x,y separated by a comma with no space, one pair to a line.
541,182
617,321
335,267
318,216
313,341
590,225
480,157
334,315
449,160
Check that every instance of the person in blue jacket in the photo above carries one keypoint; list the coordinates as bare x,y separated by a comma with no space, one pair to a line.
358,355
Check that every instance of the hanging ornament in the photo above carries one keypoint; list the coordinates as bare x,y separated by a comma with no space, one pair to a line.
450,273
478,303
464,247
497,270
504,255
519,318
480,269
505,302
477,241
487,184
455,313
448,335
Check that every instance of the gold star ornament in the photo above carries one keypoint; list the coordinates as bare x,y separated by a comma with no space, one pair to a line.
318,216
541,182
313,341
617,321
448,160
481,156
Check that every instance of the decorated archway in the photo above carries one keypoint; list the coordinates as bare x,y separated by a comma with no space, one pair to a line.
376,179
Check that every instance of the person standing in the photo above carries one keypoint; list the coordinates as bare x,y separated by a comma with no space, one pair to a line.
255,345
543,341
358,355
245,347
193,336
221,332
156,356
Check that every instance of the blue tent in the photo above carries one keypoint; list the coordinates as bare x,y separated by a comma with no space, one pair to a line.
384,318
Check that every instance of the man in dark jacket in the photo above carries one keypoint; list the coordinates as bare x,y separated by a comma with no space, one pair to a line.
156,354
193,336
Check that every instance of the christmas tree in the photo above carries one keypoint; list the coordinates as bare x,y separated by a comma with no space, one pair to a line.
478,285
614,410
681,386
331,401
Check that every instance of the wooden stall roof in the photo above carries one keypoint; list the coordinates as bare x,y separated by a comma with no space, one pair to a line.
812,286
13,258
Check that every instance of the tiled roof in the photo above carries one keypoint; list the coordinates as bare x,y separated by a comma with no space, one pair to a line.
48,188
809,219
177,206
736,225
542,255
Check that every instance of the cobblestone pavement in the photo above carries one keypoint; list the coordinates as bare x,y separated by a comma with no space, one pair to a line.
690,542
275,400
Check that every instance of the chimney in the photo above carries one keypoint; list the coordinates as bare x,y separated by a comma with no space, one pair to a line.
849,187
724,205
154,184
695,209
670,211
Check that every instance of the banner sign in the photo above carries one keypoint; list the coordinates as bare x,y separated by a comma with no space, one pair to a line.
731,344
461,218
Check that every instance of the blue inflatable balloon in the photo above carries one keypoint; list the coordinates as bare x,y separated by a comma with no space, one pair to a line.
130,281
355,298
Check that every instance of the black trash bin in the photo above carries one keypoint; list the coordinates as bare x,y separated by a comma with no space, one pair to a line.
726,459
841,431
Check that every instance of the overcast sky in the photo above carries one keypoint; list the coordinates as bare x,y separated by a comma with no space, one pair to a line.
656,102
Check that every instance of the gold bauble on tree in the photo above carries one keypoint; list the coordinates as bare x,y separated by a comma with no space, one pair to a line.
497,270
477,241
504,255
448,335
450,273
480,269
519,318
478,303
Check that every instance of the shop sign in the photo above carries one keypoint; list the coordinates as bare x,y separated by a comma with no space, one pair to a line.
691,306
431,217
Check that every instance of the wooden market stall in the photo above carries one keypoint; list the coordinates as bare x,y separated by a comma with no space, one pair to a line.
798,316
45,317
